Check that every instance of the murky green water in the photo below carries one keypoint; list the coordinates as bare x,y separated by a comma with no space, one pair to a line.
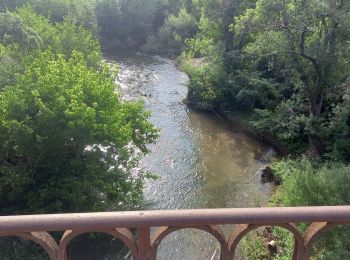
201,161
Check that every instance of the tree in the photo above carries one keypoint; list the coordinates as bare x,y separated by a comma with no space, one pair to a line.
170,38
312,36
67,141
14,31
11,4
340,126
125,23
80,11
16,41
24,31
63,37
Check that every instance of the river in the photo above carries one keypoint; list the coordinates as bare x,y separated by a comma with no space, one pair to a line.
201,161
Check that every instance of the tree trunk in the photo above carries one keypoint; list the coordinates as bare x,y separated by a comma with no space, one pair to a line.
316,97
316,144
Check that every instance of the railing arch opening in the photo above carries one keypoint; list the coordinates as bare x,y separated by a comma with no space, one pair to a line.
106,244
261,239
320,236
38,245
206,242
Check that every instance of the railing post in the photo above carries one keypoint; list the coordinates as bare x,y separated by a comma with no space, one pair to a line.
144,243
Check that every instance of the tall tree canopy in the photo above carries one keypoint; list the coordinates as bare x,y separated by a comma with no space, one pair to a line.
312,37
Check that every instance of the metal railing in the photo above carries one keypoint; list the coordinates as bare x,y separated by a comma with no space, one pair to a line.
143,245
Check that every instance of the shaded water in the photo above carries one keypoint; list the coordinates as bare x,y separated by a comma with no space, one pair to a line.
202,162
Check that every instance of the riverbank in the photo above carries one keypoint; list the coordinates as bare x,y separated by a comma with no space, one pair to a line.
238,87
236,121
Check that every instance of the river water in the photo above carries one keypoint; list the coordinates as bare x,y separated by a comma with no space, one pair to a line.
201,161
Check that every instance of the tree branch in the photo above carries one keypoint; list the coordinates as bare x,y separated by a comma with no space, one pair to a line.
302,47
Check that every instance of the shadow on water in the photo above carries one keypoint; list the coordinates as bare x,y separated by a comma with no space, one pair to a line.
201,161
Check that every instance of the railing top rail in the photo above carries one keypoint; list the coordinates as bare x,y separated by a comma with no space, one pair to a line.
192,217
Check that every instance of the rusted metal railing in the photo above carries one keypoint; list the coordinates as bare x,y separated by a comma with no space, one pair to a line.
143,245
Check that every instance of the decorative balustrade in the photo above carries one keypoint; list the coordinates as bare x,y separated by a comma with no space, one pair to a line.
143,245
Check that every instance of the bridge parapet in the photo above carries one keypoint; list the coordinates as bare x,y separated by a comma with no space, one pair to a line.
143,245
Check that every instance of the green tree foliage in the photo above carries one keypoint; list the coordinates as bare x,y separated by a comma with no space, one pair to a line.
14,31
63,37
25,31
282,62
9,66
172,36
238,88
157,26
16,40
80,11
204,79
287,121
312,37
209,76
207,42
67,142
11,4
125,23
340,127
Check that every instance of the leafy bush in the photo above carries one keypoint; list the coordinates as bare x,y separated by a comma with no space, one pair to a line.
286,122
67,142
304,184
203,86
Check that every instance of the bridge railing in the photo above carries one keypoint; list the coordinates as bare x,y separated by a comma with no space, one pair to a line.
143,245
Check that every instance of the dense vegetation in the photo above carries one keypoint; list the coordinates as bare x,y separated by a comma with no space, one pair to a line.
283,64
67,140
